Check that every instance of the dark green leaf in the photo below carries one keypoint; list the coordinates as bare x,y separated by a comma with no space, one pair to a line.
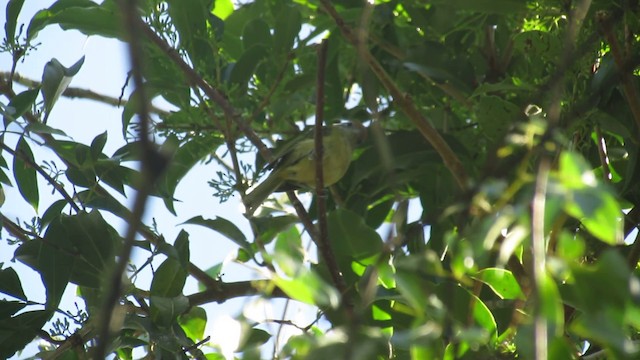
169,279
287,28
40,128
25,173
350,236
55,80
12,12
10,284
16,332
20,104
246,66
165,310
97,145
256,33
224,227
184,158
53,211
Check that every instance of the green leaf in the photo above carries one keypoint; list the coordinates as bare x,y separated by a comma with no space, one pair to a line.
55,80
16,332
25,173
53,211
82,15
12,12
256,33
165,310
19,105
350,236
184,158
10,283
40,128
222,8
224,227
287,28
245,67
75,248
485,6
309,288
194,322
97,145
269,226
169,279
589,201
502,282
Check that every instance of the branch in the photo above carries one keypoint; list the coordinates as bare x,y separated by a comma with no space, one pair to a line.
74,92
323,238
404,101
227,291
196,80
153,165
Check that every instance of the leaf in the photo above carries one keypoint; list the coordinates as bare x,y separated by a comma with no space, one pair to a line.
222,8
25,173
97,145
40,128
164,310
53,211
169,279
587,200
184,158
350,236
502,282
55,80
287,28
16,332
224,227
194,322
246,66
309,288
74,249
82,15
10,284
19,105
12,12
485,6
256,33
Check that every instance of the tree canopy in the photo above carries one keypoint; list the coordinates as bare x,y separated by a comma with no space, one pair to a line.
492,212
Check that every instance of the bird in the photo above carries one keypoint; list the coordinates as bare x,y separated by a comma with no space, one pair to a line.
296,168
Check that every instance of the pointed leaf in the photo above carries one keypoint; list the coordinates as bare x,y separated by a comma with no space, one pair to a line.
224,227
55,80
19,105
25,173
12,12
10,284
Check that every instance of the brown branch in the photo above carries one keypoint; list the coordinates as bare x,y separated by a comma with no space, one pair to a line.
404,101
323,235
75,92
216,96
152,164
227,291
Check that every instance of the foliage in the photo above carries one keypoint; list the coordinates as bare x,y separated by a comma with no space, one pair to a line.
508,128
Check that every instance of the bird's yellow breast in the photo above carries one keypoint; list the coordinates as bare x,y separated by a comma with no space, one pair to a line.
335,162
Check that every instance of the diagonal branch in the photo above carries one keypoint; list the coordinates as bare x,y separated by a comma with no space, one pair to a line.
404,101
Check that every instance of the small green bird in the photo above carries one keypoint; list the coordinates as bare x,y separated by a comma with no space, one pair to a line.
297,168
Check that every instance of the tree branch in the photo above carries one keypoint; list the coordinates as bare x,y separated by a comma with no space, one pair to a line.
404,101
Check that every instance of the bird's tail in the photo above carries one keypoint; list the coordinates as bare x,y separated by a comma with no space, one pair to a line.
258,195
